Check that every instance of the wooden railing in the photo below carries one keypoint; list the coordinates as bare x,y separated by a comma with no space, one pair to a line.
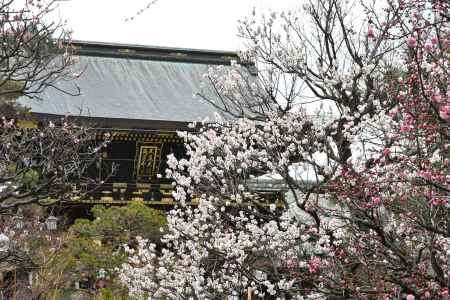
157,194
122,192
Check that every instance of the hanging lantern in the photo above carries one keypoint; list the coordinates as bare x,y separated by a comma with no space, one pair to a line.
18,222
4,243
51,223
234,296
101,273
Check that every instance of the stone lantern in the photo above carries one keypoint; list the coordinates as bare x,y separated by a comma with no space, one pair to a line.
51,223
18,222
4,243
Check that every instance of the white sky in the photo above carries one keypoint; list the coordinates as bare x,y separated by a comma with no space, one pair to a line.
203,24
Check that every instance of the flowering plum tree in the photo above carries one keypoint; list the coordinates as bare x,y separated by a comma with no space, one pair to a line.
31,45
44,165
372,220
46,162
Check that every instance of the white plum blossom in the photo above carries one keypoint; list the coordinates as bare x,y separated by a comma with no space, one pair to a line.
364,188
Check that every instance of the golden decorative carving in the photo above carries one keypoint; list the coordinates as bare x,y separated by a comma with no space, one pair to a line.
27,124
126,50
148,159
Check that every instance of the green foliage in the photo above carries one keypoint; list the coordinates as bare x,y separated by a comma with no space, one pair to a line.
52,280
11,89
112,294
118,225
92,256
97,244
91,245
30,178
12,168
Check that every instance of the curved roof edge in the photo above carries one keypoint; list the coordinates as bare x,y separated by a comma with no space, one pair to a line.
113,123
117,50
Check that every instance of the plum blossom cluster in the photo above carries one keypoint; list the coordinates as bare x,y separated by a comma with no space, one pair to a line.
372,220
204,256
223,156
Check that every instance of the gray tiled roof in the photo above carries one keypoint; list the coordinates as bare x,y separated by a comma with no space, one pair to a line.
135,83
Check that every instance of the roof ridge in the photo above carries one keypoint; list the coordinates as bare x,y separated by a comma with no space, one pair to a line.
119,50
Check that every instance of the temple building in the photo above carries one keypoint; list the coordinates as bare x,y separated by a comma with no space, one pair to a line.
139,97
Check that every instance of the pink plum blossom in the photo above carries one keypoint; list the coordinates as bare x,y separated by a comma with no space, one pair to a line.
411,42
370,32
444,112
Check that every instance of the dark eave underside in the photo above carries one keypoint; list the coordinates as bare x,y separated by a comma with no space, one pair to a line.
116,123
